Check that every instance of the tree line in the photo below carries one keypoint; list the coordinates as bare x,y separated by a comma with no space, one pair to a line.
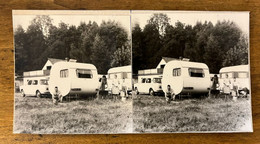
106,45
219,45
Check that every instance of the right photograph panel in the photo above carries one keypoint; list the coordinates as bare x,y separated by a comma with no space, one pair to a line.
191,71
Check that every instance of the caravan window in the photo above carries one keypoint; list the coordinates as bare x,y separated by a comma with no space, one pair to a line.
176,72
222,75
43,82
242,75
125,75
84,73
196,72
157,80
64,73
230,75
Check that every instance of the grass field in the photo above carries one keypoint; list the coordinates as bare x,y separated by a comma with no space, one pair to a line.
40,115
153,114
145,114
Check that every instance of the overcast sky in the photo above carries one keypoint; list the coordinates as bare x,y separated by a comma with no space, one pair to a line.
192,17
23,18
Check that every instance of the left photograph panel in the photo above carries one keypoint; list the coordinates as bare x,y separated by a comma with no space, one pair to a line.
73,72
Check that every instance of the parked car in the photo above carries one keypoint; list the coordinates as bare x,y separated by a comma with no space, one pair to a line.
149,84
35,86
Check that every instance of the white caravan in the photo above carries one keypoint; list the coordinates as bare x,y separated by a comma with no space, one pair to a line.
149,84
186,77
123,73
239,72
73,78
35,86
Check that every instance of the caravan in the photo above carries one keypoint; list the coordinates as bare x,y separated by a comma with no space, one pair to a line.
73,78
235,74
123,76
186,77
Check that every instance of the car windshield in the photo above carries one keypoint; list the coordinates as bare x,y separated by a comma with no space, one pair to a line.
43,82
157,80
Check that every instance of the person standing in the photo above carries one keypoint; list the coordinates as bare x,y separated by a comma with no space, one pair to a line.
102,88
215,84
236,87
124,88
115,87
226,83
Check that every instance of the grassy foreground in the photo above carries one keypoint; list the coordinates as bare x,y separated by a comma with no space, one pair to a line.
40,115
153,114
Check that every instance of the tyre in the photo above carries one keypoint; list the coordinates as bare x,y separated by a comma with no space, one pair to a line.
151,92
38,94
22,93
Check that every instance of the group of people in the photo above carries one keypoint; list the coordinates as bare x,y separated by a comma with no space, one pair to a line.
233,87
230,86
118,89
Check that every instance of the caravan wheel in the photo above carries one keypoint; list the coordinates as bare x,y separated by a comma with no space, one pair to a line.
38,94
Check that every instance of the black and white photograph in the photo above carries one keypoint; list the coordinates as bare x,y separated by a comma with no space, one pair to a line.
131,71
191,71
73,72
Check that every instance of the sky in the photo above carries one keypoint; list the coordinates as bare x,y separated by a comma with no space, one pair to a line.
24,18
192,17
127,18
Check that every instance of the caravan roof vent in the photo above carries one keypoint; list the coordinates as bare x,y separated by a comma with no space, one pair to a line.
72,60
185,59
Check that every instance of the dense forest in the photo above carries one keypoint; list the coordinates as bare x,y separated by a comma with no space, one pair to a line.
106,45
219,45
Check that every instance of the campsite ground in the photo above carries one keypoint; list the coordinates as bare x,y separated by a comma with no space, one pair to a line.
153,114
149,113
40,115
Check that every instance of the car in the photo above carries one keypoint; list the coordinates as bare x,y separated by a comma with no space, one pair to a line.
35,86
149,84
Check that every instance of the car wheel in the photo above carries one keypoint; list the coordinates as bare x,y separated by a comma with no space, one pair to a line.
151,92
38,94
22,93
